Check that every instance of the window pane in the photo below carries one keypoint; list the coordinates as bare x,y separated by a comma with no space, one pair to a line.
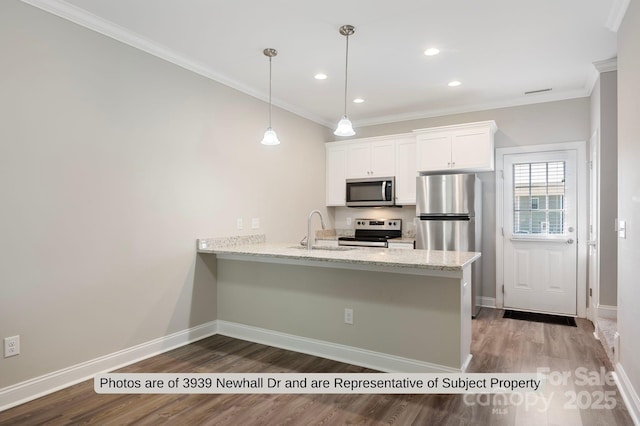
555,222
523,223
538,198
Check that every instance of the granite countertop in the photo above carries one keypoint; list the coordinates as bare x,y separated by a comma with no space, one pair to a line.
415,259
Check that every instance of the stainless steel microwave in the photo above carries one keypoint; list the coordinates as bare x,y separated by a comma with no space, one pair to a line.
371,192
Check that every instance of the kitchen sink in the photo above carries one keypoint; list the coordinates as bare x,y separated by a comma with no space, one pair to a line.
328,248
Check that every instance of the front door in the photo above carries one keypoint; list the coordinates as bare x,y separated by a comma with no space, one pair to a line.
540,222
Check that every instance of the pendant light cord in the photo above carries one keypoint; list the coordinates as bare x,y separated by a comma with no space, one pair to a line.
270,91
346,67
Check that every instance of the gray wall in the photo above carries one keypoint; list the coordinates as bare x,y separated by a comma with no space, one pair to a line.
629,194
393,313
604,118
112,163
552,122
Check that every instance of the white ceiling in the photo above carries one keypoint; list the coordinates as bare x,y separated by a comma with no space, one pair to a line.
498,49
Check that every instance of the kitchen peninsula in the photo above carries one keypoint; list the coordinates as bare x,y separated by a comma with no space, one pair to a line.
410,310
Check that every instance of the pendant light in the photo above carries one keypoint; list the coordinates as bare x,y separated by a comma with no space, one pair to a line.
270,137
345,128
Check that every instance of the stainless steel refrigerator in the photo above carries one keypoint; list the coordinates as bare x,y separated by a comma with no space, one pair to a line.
449,212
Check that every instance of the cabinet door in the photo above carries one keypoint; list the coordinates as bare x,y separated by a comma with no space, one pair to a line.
359,160
406,171
434,152
336,170
383,154
471,149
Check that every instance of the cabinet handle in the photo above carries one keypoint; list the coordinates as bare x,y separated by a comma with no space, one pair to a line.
449,164
453,164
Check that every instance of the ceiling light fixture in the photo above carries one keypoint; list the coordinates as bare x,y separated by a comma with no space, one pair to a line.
454,84
358,100
345,128
320,76
432,51
270,137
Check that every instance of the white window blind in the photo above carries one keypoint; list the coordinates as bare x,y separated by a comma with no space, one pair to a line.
539,198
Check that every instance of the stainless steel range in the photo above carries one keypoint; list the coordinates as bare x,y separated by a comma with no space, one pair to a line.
373,233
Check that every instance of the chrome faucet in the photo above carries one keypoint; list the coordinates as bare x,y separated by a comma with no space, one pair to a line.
309,242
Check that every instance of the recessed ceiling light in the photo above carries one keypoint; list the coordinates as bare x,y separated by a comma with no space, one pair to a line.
320,76
454,83
431,51
358,100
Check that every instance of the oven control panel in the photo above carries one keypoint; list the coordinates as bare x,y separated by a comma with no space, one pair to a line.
379,224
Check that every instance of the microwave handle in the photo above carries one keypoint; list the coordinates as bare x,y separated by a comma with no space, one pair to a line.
384,186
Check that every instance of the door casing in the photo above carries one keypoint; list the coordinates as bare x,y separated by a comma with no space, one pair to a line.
594,231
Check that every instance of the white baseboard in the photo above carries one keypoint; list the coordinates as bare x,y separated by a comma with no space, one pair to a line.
608,312
43,385
629,394
348,354
487,302
35,388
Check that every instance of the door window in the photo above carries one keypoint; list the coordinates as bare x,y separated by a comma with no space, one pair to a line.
539,198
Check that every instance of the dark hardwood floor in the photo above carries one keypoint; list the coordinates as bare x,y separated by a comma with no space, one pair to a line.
499,345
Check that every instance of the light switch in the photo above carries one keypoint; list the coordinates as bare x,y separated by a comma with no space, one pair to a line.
239,223
255,223
622,229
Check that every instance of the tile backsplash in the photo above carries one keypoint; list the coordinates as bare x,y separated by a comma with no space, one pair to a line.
344,217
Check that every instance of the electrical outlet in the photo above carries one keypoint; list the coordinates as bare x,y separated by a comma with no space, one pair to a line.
348,316
239,223
255,223
348,221
11,346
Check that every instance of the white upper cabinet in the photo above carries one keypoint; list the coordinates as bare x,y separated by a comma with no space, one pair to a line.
465,147
406,170
371,159
336,169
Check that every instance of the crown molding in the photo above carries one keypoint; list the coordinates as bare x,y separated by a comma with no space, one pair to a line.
606,65
520,101
107,28
618,10
599,67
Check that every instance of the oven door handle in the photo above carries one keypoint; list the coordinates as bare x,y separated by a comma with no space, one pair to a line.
363,243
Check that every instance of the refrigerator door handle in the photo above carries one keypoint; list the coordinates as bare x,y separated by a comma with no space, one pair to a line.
445,217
